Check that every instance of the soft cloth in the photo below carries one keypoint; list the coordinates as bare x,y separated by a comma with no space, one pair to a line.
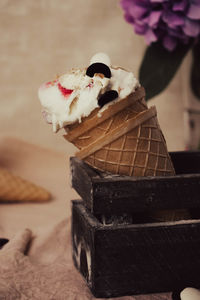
37,263
24,277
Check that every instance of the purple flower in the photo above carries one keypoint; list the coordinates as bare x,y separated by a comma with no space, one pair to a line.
169,21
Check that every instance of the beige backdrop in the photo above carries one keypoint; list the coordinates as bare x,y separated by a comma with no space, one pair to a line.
42,38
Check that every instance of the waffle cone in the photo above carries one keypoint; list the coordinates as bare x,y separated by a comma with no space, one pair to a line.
123,139
15,189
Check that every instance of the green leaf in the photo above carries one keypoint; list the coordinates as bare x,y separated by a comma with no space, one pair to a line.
195,71
159,67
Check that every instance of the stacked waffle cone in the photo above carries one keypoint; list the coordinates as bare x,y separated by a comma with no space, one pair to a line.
15,189
124,138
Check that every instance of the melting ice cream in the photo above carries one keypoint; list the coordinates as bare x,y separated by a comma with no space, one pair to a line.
74,95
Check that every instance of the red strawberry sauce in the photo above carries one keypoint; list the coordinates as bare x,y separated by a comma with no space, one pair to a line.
64,91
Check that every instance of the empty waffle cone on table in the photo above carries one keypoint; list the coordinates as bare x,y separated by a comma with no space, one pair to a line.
103,111
14,188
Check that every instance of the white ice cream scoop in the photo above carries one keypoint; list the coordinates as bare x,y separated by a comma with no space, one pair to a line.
76,94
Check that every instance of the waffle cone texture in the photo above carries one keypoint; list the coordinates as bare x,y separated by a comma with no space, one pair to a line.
123,139
16,189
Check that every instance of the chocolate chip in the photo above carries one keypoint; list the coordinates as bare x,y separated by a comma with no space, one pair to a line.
107,97
98,68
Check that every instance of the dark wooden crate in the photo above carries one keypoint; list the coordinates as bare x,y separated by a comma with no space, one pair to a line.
137,258
106,194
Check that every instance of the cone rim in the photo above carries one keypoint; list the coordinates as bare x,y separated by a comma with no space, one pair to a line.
91,122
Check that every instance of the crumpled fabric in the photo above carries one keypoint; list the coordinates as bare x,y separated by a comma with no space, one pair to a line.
23,276
40,267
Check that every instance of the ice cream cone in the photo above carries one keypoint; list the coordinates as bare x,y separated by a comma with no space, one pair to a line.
123,139
15,189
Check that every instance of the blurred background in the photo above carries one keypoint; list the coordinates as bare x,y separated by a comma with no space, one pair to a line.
40,39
